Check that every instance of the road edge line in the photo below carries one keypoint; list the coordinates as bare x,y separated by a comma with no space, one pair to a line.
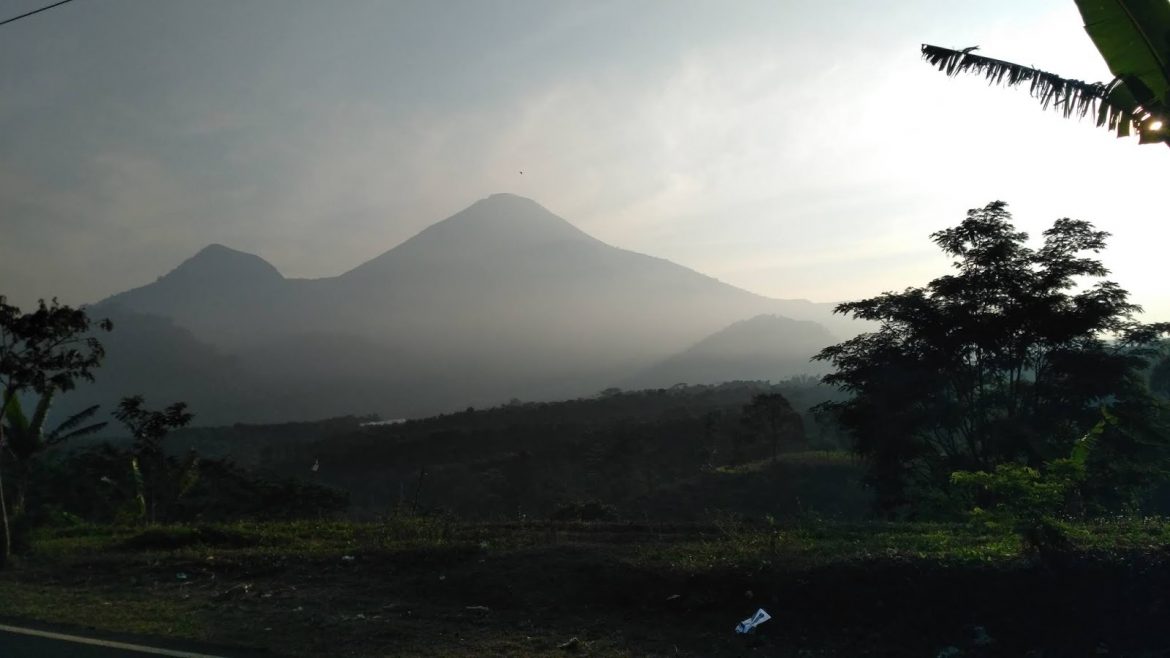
108,644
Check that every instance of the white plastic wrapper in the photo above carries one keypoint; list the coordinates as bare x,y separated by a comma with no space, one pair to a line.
749,624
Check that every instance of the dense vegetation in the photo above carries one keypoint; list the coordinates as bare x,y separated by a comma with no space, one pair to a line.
999,441
1009,361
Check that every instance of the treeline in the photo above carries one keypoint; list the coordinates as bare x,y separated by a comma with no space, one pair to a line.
624,450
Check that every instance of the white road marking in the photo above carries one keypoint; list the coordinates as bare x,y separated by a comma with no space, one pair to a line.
104,643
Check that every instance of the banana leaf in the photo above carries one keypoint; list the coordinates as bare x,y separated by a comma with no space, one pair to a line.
1112,104
1133,37
139,488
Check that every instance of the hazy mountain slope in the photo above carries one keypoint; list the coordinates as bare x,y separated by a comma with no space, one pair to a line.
533,285
503,299
766,347
152,356
219,293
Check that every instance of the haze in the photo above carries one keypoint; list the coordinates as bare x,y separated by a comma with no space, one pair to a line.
796,151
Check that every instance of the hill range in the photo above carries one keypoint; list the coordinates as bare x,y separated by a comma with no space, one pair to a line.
502,300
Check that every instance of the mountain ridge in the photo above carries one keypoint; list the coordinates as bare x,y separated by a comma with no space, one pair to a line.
761,348
502,299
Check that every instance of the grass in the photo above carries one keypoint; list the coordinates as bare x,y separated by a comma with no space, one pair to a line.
113,609
427,586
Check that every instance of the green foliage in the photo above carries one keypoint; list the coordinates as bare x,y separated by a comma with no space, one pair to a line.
997,363
102,484
48,349
1014,491
159,482
1032,500
1017,493
43,351
1131,36
26,438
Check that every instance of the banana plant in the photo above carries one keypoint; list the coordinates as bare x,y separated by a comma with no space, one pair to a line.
26,438
1133,37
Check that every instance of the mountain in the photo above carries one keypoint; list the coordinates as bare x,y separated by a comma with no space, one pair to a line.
762,348
504,299
150,354
215,293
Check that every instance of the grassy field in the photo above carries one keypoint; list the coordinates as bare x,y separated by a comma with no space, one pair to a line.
435,588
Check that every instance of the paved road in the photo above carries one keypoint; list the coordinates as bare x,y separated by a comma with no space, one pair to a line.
17,642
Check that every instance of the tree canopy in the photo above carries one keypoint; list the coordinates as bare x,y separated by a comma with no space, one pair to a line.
1008,359
44,351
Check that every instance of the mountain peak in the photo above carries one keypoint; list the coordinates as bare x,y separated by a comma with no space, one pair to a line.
506,197
216,263
489,227
512,215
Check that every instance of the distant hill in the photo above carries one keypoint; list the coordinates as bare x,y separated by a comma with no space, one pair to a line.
766,347
504,299
150,354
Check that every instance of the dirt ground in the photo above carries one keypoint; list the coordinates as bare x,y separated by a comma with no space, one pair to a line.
603,597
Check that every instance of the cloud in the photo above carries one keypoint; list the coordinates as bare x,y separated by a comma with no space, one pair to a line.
806,158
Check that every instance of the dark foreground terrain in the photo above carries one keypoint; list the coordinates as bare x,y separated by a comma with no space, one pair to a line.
428,587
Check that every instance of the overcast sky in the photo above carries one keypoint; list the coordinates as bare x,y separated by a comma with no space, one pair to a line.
793,149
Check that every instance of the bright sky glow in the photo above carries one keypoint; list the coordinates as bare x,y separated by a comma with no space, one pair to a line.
776,146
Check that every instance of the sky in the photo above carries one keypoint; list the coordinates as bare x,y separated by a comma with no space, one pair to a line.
798,150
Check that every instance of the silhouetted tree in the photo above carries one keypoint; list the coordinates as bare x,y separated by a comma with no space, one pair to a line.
42,351
160,482
999,362
771,414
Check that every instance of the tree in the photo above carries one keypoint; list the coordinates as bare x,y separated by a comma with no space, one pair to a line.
771,414
1160,377
42,351
158,480
1004,361
1133,37
27,438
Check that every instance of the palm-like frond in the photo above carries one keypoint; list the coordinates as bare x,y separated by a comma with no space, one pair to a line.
66,430
56,437
14,414
1111,103
37,423
27,436
188,475
19,434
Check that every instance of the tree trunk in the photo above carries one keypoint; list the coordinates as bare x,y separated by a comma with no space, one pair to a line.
7,549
